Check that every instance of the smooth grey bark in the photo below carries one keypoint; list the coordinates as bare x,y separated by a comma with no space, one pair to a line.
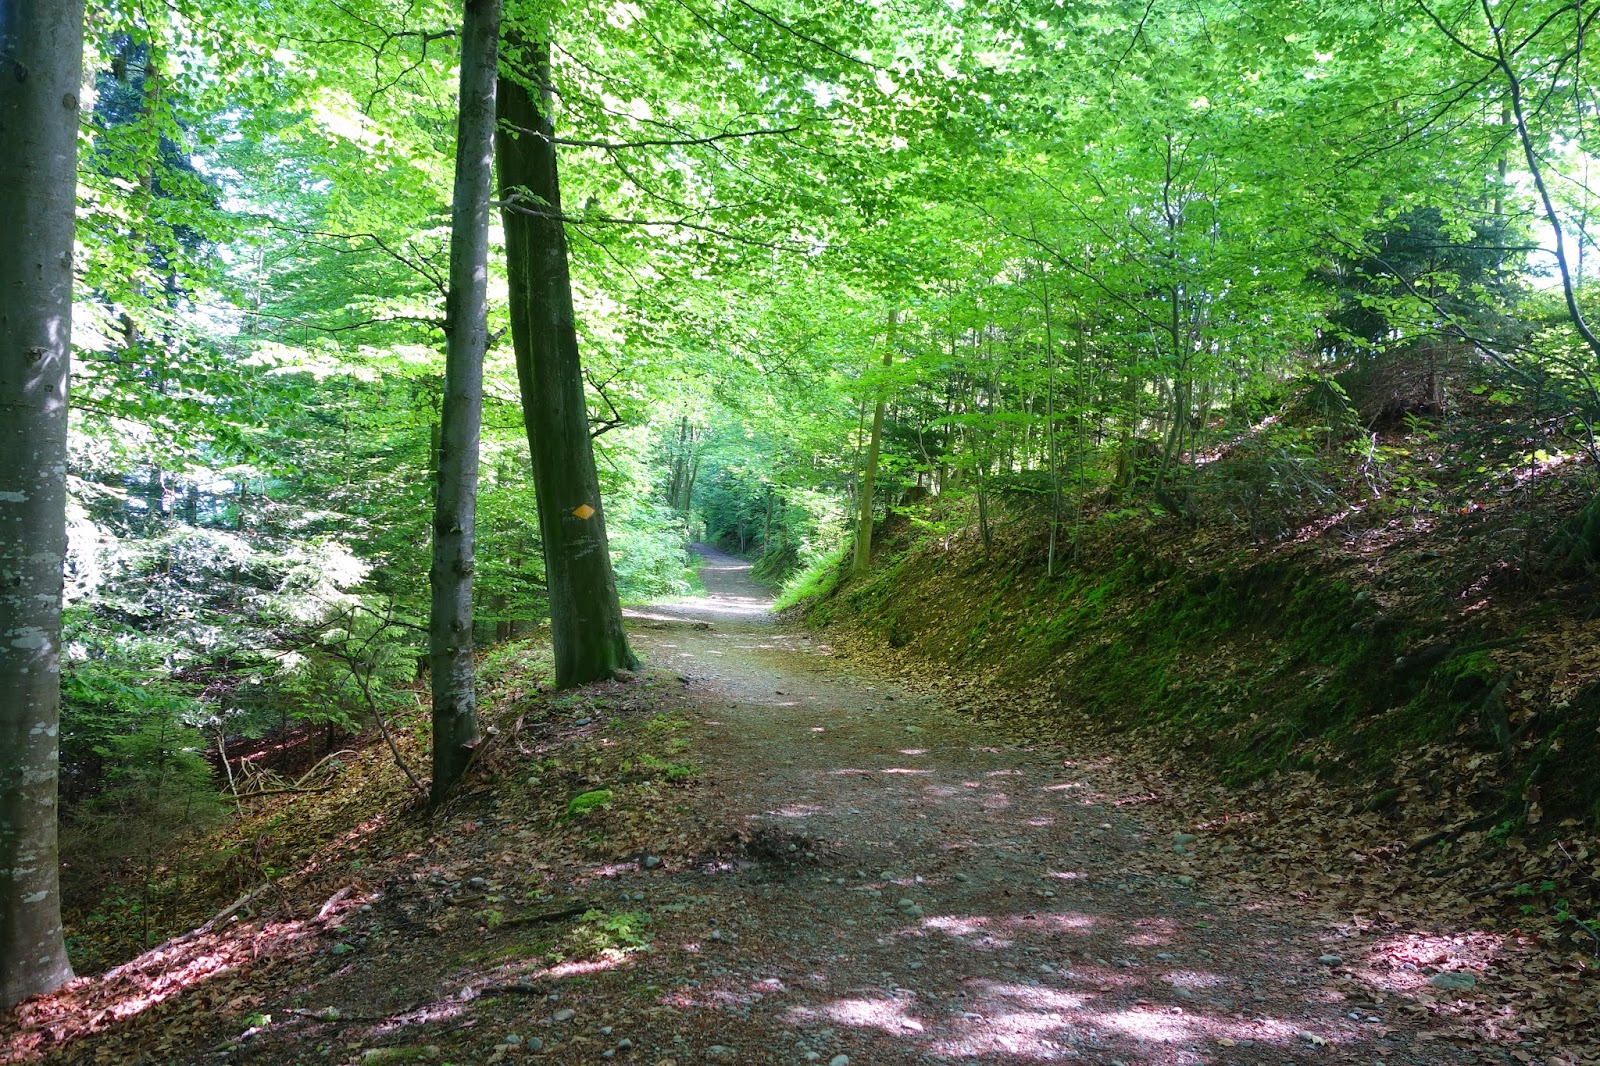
41,62
1050,428
585,615
455,707
862,560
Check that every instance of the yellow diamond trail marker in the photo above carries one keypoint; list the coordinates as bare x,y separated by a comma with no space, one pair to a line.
583,510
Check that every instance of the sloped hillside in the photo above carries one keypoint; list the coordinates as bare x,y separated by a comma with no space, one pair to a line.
1406,663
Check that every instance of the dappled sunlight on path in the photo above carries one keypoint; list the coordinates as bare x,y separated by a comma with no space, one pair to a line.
855,871
970,900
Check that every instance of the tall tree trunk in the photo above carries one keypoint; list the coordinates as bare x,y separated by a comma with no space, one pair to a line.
455,705
585,616
863,554
688,488
1050,426
41,57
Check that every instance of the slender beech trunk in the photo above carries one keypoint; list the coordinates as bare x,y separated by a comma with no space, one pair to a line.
983,459
455,705
1050,423
855,466
585,616
863,555
688,489
41,56
1531,154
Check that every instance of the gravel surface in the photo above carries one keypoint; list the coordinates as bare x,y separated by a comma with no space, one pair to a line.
967,900
859,875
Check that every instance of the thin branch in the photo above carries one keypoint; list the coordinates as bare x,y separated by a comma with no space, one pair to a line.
514,204
436,323
1133,42
612,146
790,29
419,266
1514,91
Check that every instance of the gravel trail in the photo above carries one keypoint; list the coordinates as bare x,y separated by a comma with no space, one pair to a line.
968,900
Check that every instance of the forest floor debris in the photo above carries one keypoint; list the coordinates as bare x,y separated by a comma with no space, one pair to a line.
966,895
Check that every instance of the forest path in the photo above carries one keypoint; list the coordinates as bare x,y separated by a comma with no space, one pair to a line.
857,873
971,899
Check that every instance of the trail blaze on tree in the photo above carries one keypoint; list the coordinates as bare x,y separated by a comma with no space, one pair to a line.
585,617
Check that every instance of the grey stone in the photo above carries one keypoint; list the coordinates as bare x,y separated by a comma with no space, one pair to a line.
840,1060
1331,960
1453,982
652,861
565,1014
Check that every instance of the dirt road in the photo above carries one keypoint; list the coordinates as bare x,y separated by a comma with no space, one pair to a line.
907,888
970,900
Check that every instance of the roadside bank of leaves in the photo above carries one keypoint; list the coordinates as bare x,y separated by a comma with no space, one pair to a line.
1482,927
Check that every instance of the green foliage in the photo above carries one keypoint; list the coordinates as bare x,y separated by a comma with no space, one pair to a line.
600,934
816,582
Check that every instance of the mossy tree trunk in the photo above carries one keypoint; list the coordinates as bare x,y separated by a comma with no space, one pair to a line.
41,56
585,616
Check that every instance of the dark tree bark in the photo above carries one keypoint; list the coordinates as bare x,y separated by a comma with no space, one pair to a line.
41,59
455,709
585,616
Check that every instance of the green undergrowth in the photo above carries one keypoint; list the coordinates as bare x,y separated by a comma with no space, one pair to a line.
814,584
